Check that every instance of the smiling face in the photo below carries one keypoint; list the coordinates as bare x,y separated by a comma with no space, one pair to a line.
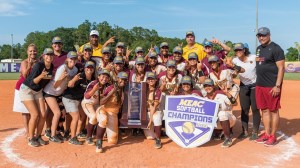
171,70
151,81
31,52
94,40
186,87
190,39
122,82
89,70
48,58
177,56
264,39
152,61
106,55
192,61
140,67
164,50
209,89
239,52
118,66
57,47
87,54
208,49
71,62
120,50
214,65
103,79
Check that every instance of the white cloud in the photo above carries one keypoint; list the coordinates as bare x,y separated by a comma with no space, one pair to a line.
109,2
13,7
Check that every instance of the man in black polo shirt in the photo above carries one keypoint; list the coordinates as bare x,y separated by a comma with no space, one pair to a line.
270,72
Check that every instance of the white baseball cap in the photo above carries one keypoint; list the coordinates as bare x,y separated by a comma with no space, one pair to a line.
94,32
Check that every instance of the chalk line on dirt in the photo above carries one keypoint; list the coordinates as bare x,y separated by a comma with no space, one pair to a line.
14,157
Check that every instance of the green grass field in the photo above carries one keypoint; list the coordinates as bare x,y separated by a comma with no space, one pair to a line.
15,76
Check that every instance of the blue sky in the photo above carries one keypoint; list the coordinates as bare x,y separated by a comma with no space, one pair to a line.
226,20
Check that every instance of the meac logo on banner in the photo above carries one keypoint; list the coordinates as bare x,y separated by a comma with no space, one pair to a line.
190,120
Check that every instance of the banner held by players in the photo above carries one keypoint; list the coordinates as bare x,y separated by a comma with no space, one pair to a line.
190,120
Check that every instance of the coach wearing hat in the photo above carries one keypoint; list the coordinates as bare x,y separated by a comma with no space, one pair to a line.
192,46
94,42
270,72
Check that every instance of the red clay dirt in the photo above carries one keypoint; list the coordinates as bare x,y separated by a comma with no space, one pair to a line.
139,152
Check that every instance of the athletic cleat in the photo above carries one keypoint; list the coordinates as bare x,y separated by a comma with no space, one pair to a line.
66,135
262,138
33,142
74,141
254,136
81,135
271,141
89,141
243,135
60,137
99,148
157,144
55,139
48,133
41,141
227,143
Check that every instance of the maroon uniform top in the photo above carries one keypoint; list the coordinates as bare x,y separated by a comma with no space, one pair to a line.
206,66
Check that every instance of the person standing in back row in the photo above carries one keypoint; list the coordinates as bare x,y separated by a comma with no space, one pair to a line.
270,72
192,46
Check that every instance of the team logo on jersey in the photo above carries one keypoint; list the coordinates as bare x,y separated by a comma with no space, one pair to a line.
190,120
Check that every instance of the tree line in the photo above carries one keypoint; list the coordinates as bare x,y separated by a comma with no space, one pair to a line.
137,36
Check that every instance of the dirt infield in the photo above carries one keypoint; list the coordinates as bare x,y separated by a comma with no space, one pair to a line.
139,152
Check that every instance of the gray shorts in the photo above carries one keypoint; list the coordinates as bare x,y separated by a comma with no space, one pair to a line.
28,94
71,105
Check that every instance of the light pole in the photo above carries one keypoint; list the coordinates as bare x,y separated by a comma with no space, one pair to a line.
256,29
12,44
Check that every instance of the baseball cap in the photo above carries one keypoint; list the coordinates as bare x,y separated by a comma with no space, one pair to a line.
263,31
122,75
118,59
213,58
186,80
150,75
192,55
171,63
164,44
56,40
120,44
246,45
209,82
207,43
152,54
48,51
139,49
94,32
189,33
238,46
103,71
87,46
89,63
106,50
72,54
140,60
177,49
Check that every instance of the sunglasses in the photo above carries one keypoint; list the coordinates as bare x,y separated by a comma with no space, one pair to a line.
261,35
238,50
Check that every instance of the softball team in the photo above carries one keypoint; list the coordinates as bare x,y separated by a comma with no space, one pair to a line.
92,89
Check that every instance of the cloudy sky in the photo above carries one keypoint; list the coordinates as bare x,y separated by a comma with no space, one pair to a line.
226,20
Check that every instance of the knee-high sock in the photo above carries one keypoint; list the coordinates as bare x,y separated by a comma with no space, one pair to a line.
100,132
90,129
157,131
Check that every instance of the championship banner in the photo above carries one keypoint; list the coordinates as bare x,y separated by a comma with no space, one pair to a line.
134,112
10,67
190,120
